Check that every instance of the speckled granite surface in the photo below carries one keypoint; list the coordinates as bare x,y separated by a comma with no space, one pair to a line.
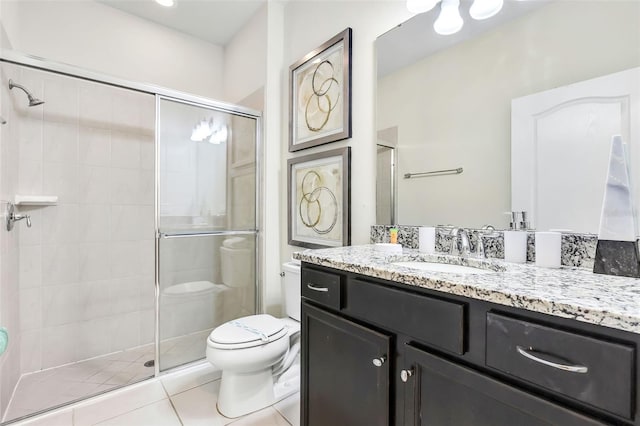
576,249
568,292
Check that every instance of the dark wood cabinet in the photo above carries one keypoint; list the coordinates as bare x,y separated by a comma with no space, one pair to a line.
376,352
442,393
345,372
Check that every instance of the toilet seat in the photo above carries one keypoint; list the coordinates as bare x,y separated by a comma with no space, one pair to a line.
247,332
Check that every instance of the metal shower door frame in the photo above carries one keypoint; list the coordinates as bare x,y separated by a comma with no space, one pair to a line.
220,107
35,62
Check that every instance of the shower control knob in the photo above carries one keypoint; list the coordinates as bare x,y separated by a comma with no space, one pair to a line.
379,361
405,374
11,217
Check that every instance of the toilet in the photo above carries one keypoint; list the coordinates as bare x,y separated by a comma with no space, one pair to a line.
258,354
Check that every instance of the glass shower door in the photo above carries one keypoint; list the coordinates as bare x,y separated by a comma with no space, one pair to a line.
206,224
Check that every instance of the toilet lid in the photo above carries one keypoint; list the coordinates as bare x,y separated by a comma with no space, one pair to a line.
246,332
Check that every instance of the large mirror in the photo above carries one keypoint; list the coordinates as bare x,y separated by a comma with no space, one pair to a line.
450,100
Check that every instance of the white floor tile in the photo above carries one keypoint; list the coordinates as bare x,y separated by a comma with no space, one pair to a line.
266,417
290,408
58,418
198,406
118,402
190,378
160,413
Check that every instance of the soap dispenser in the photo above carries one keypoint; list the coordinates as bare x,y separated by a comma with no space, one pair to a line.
515,239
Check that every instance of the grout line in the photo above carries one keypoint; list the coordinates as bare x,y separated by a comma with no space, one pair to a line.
281,413
164,389
175,411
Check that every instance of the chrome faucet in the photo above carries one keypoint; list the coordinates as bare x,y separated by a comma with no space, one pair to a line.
486,231
465,249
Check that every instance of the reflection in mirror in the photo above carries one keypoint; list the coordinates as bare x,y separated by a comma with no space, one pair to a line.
451,102
386,176
560,145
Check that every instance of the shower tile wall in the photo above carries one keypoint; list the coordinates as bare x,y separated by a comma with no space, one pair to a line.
87,264
9,289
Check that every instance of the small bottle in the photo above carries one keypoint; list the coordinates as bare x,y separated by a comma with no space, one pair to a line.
393,235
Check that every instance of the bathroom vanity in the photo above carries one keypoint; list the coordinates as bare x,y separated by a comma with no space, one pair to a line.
384,344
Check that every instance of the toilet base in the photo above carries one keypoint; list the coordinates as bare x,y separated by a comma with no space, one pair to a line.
241,394
288,383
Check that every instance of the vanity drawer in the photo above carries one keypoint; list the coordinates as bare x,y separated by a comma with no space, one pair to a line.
435,322
594,371
322,287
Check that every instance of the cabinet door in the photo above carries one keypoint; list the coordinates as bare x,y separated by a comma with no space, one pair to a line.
341,383
442,393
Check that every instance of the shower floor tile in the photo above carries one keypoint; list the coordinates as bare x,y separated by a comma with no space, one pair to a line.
61,385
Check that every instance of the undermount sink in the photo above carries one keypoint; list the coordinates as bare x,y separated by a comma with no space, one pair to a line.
442,267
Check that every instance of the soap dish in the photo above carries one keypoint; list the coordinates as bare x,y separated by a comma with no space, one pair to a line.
388,247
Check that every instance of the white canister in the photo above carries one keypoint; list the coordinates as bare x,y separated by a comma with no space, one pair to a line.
515,246
548,249
427,239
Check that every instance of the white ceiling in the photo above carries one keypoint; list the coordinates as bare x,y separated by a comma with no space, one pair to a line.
215,21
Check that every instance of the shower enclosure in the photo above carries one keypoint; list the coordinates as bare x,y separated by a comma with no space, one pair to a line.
143,209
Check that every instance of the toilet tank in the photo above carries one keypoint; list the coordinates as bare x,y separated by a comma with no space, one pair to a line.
291,289
237,260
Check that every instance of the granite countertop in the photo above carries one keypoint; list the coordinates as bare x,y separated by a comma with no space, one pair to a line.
567,292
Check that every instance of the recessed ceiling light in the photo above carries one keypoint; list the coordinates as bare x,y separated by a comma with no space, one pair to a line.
166,3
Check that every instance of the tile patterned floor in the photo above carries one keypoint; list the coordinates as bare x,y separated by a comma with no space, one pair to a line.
187,397
49,388
62,385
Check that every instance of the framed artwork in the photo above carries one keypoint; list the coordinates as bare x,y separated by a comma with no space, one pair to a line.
320,103
319,199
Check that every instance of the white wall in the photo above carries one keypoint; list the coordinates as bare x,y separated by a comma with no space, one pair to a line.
245,59
453,109
271,154
91,35
307,25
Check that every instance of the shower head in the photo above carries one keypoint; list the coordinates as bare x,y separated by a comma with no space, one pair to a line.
33,101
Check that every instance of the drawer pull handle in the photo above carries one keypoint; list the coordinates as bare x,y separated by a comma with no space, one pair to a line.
314,288
571,368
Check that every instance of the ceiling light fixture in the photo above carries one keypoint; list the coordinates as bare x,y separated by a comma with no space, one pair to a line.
166,3
449,21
